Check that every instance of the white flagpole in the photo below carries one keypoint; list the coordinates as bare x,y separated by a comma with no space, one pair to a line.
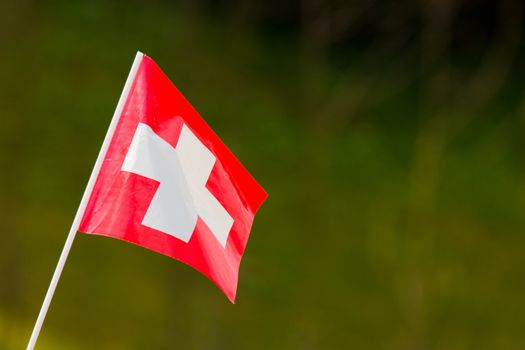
84,201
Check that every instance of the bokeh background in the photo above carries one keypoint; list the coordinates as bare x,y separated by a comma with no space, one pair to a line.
389,135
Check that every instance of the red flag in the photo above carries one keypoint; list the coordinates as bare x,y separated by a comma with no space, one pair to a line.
169,184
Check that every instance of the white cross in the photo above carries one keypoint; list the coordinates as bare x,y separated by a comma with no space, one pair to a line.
182,195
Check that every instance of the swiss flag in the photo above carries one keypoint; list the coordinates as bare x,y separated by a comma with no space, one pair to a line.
169,184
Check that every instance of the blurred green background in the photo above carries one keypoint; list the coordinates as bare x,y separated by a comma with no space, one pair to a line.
389,135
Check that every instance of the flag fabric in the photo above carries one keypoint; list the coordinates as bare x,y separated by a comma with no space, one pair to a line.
169,184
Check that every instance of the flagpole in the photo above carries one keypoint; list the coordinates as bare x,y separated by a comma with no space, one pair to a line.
84,202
